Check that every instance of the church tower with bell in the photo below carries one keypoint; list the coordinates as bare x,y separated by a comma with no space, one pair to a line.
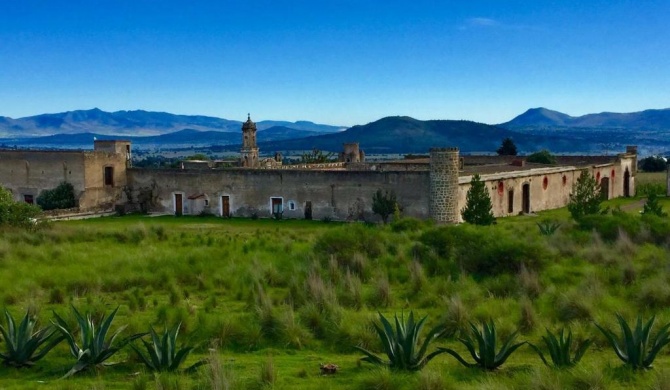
249,152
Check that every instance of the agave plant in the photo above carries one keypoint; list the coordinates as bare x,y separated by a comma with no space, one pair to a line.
483,347
402,345
637,348
163,354
22,343
547,227
94,347
560,347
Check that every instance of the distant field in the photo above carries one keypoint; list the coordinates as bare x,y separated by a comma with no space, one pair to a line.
281,297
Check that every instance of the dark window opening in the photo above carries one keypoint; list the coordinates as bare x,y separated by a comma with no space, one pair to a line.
29,199
109,176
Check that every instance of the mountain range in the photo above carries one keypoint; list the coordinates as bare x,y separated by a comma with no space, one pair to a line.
543,117
535,129
135,123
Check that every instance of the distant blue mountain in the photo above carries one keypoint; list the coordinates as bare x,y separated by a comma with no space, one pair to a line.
132,123
543,117
185,137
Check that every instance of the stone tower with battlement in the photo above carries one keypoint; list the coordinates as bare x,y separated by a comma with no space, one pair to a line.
249,151
444,164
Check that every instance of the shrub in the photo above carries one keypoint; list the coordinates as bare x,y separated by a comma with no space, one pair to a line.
17,214
406,224
637,348
651,206
483,349
402,345
609,225
541,157
478,207
344,242
485,251
384,204
61,197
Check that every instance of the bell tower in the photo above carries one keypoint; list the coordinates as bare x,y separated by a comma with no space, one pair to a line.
249,151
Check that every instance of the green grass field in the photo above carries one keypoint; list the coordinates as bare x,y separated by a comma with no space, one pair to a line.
266,302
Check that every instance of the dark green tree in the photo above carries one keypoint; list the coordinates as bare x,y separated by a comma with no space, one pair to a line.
653,164
585,198
316,156
478,209
384,204
651,206
508,148
542,157
61,197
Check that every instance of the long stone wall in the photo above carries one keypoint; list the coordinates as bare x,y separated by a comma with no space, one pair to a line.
342,195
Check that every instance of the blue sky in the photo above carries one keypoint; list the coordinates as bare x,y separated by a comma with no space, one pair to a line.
338,62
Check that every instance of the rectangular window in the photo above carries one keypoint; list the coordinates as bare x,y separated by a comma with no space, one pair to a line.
109,176
28,199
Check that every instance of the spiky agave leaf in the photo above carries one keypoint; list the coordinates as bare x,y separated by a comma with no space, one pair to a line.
22,343
401,345
94,348
482,347
162,352
636,348
560,349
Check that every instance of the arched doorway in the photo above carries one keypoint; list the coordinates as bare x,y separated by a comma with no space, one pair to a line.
525,203
626,183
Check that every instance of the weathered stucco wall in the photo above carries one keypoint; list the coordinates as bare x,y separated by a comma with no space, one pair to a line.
97,193
31,172
342,195
548,188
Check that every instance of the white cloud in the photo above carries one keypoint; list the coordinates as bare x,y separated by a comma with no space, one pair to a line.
482,22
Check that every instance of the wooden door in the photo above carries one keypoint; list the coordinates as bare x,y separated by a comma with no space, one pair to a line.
605,188
308,210
225,206
178,205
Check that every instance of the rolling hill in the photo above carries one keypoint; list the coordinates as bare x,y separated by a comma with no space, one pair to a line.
402,134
